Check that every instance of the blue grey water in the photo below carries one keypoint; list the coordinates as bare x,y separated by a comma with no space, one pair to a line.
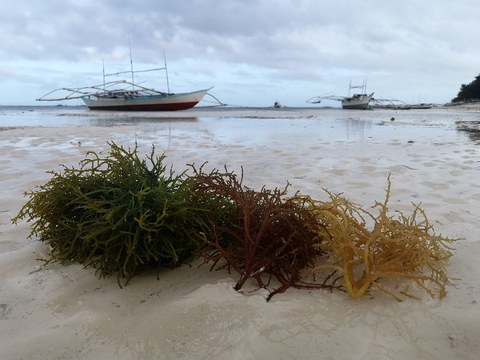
260,125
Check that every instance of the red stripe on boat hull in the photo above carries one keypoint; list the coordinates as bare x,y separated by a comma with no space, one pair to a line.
146,107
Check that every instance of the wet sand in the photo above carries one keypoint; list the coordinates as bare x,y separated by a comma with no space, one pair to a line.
59,312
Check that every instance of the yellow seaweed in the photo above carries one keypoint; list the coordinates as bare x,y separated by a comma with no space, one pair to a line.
398,248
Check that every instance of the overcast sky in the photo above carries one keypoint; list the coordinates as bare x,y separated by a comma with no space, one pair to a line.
253,52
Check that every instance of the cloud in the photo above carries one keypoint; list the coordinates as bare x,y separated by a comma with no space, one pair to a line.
310,43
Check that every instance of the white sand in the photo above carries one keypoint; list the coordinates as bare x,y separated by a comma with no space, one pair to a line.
66,312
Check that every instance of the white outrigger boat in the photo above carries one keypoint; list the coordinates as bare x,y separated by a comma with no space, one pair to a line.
133,97
356,101
128,96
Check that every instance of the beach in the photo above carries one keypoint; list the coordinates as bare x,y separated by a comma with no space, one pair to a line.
66,312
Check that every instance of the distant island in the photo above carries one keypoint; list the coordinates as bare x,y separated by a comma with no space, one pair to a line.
469,92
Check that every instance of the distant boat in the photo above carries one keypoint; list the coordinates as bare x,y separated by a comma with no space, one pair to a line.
394,104
126,95
356,101
420,106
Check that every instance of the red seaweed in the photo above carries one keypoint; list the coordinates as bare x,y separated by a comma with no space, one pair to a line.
266,237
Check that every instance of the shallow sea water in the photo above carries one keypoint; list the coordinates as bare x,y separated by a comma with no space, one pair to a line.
257,125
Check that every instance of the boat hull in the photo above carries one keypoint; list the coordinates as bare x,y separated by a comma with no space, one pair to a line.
357,102
160,102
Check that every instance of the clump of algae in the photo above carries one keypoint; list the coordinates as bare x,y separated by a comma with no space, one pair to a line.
269,238
118,213
396,248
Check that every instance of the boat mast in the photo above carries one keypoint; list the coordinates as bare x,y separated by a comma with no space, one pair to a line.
103,71
166,70
363,87
131,65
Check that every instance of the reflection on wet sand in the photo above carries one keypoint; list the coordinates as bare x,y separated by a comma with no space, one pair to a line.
116,121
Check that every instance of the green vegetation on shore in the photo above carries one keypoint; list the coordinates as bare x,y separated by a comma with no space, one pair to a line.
469,92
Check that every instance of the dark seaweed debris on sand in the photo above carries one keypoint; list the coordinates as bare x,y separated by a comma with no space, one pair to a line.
472,128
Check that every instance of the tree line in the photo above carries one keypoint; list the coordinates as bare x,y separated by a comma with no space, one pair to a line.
469,92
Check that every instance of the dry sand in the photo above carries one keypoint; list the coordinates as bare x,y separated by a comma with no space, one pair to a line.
66,312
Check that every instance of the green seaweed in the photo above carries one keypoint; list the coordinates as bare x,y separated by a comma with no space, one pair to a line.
117,213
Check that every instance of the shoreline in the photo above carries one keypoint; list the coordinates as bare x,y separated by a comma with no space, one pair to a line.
58,311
